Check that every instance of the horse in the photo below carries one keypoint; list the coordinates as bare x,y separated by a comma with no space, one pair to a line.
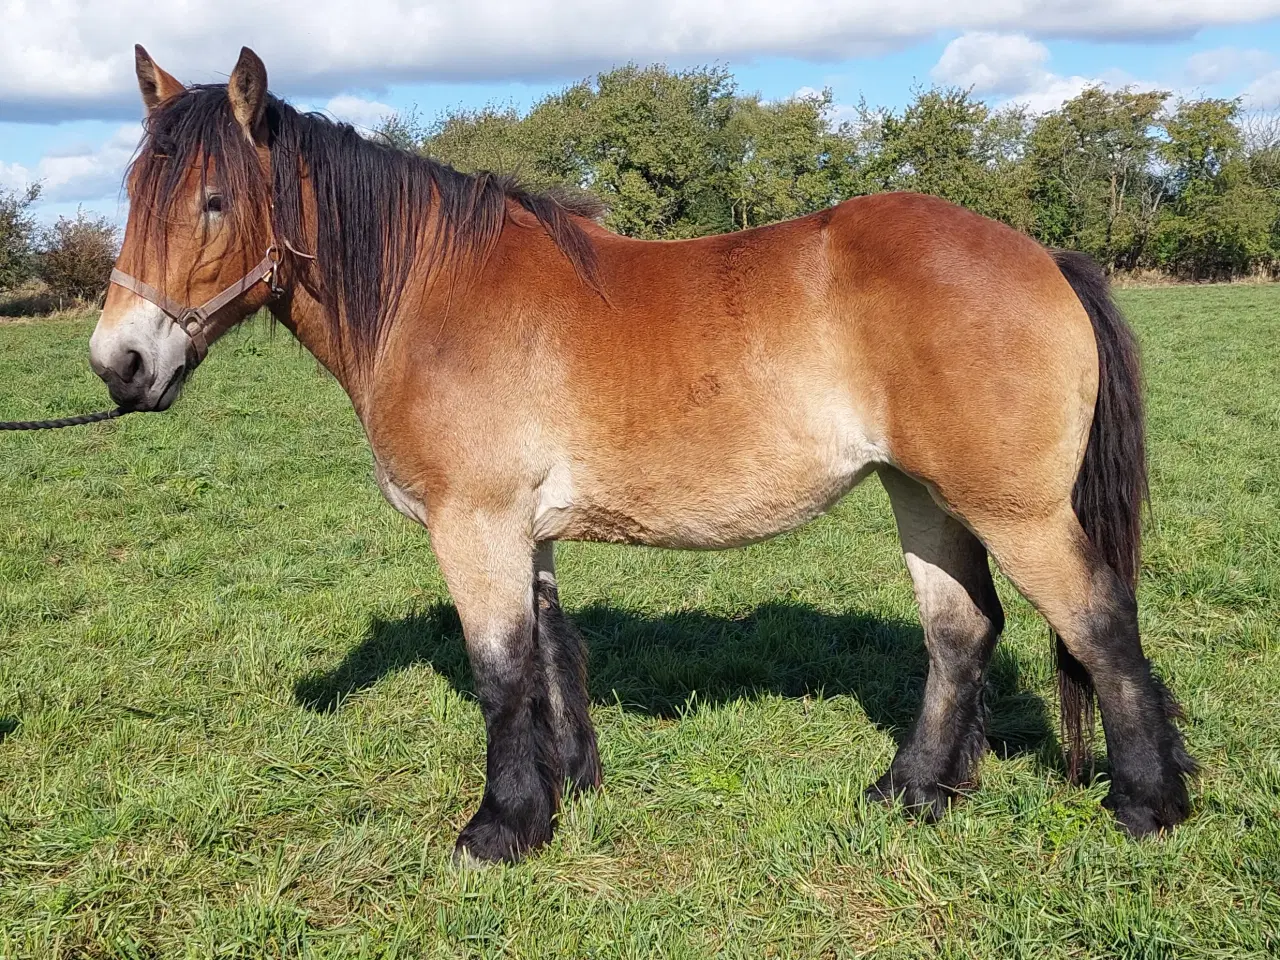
525,376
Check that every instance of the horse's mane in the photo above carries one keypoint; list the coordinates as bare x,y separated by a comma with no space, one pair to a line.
372,202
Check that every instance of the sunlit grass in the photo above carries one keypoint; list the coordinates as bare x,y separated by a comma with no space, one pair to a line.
235,718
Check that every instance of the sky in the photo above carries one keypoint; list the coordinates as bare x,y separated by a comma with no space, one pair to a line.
70,111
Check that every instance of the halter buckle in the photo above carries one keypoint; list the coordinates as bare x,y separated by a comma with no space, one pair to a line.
191,322
273,276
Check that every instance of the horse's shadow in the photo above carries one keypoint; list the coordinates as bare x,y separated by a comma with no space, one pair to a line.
665,665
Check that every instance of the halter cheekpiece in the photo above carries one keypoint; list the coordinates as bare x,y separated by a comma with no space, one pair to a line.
196,322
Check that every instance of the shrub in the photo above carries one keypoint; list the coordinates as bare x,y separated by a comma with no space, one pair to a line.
77,255
17,235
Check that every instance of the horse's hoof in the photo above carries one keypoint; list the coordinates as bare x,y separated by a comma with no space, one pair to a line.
881,791
489,839
923,800
1144,816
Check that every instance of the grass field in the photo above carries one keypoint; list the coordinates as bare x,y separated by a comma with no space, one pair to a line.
236,722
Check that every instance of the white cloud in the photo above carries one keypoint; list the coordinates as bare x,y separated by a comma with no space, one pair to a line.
1227,63
80,173
992,63
1052,91
13,176
68,58
1264,92
1016,68
364,114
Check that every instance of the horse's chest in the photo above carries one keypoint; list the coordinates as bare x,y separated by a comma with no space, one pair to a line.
400,497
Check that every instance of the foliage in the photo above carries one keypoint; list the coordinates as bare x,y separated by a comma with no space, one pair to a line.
17,231
77,255
1093,174
235,717
1220,219
672,153
947,144
653,144
787,160
1191,188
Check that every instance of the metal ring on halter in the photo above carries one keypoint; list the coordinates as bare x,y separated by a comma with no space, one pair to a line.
196,322
192,323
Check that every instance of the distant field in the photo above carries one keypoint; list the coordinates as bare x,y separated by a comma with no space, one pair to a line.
235,717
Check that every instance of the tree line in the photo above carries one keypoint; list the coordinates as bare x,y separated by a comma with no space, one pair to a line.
1137,179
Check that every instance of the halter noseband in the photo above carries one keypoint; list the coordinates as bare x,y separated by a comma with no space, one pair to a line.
196,322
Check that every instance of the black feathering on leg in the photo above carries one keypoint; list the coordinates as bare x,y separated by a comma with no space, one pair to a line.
936,765
562,655
962,621
522,765
1148,759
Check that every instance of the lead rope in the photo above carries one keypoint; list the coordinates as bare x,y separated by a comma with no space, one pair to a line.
64,422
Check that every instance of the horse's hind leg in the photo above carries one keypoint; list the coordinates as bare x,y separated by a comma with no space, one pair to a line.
563,656
962,620
1055,566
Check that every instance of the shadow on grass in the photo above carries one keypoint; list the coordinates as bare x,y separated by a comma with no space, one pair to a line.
665,665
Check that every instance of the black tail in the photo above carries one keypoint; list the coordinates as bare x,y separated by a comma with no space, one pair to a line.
1112,486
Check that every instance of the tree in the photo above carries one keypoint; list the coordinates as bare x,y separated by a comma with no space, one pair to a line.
487,139
1094,183
77,255
1218,220
949,145
671,153
785,160
17,235
654,146
1194,190
1260,133
404,131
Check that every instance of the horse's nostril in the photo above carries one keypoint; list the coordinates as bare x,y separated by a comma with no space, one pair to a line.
132,364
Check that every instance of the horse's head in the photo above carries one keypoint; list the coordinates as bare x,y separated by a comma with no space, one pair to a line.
197,256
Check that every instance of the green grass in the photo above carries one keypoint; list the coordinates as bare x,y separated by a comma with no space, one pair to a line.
236,722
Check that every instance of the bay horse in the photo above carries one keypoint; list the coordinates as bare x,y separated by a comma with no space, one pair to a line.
525,376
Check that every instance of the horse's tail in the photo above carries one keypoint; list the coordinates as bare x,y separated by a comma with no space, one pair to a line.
1111,487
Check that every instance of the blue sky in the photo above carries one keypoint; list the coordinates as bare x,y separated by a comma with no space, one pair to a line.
69,109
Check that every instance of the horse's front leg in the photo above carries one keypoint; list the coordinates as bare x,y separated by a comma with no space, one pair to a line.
487,561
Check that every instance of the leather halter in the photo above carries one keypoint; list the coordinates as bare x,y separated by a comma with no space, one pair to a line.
196,322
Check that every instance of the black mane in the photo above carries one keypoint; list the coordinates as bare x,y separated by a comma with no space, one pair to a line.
372,201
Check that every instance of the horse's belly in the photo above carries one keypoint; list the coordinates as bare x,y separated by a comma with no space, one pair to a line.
699,499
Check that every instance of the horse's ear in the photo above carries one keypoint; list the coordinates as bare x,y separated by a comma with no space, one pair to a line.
247,89
156,85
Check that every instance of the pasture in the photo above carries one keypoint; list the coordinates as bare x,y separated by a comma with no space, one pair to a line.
235,717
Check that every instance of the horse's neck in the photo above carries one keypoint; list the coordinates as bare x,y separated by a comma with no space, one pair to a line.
313,326
306,318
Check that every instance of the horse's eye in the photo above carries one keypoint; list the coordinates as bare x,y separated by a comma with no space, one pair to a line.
213,203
